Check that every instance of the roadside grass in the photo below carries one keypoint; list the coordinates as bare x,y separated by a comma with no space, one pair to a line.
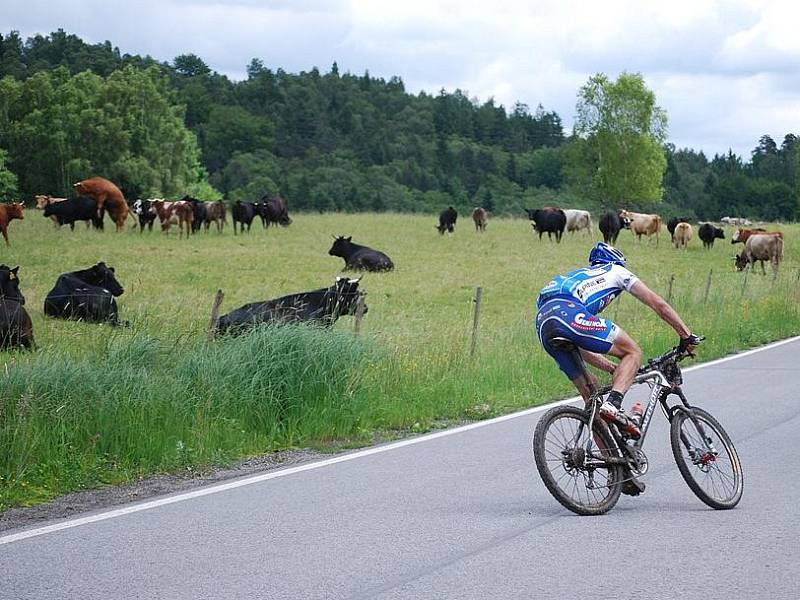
95,405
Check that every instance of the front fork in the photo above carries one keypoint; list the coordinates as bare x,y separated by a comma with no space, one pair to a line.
699,456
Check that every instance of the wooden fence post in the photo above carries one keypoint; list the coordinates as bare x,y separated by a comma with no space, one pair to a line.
477,301
359,312
212,324
669,292
708,286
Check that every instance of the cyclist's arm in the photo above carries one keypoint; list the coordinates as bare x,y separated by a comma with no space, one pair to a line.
647,296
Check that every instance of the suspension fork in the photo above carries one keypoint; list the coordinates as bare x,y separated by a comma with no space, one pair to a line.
687,408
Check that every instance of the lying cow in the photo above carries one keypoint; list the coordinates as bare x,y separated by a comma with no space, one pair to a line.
708,233
610,225
9,212
82,208
16,328
641,224
578,220
740,236
359,258
681,235
447,220
481,218
548,220
761,247
86,295
320,307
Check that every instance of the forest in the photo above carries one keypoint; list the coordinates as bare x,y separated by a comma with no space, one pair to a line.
333,141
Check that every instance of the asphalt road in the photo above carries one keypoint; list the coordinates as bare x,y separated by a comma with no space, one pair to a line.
461,515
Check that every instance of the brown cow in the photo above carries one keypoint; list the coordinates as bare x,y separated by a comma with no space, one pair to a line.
641,224
761,246
682,235
9,212
174,213
742,235
108,196
481,218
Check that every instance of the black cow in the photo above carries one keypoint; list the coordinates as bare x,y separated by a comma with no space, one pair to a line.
146,213
548,220
198,212
708,233
359,257
447,220
87,295
610,226
274,211
82,208
243,213
16,328
673,223
320,307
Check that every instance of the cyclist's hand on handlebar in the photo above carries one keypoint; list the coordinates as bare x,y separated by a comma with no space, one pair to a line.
688,344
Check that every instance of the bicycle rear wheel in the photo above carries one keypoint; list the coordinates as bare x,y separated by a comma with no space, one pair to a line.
570,461
706,458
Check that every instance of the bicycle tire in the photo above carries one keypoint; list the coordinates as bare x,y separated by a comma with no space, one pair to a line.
691,468
553,484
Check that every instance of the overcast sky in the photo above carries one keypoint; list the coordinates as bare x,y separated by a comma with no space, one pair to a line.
726,71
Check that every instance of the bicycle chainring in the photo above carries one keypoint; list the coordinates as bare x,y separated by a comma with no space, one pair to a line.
641,464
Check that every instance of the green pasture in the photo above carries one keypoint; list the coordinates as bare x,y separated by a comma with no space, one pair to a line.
95,405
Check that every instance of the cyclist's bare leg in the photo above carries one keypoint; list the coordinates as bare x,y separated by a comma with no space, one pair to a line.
630,356
585,387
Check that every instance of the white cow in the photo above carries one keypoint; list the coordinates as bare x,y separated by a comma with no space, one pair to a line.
578,219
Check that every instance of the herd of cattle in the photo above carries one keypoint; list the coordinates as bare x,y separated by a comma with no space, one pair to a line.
89,294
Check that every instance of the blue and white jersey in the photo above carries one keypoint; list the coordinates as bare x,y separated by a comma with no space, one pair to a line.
593,287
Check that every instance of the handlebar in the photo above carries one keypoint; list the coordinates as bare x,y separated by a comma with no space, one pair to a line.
676,353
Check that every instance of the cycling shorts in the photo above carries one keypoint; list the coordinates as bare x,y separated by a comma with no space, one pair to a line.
571,320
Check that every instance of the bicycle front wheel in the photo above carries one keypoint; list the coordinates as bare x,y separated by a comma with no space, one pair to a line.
570,461
706,458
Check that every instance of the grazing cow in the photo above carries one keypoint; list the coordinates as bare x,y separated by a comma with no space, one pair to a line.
673,223
43,200
481,218
320,307
146,213
641,224
741,235
761,247
273,211
548,220
610,225
578,220
682,235
16,328
9,212
215,211
108,197
708,233
359,258
447,220
243,213
86,295
82,208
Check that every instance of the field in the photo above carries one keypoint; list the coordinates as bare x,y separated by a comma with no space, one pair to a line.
96,405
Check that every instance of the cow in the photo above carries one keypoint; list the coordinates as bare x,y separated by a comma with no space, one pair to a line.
145,212
682,234
548,220
199,212
16,328
359,258
447,220
108,197
9,212
735,221
761,247
175,213
320,307
578,220
610,225
82,208
641,224
480,217
86,295
215,211
243,213
740,236
673,223
708,233
273,211
43,200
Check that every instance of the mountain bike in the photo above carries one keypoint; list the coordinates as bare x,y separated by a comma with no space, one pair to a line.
585,471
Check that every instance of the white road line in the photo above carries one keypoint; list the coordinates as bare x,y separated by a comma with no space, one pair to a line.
111,514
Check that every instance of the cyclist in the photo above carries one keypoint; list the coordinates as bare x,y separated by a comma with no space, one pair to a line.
568,308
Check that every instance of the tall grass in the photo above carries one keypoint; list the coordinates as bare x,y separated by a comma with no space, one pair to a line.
99,405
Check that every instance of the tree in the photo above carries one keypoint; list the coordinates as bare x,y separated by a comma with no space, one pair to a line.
8,181
625,130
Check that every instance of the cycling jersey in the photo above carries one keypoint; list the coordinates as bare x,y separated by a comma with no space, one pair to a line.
593,287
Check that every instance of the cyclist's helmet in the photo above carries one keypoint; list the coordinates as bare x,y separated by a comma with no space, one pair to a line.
603,254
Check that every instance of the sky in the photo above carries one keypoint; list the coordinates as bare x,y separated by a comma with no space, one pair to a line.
726,71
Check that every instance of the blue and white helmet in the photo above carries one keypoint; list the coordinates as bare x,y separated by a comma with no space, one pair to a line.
603,254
